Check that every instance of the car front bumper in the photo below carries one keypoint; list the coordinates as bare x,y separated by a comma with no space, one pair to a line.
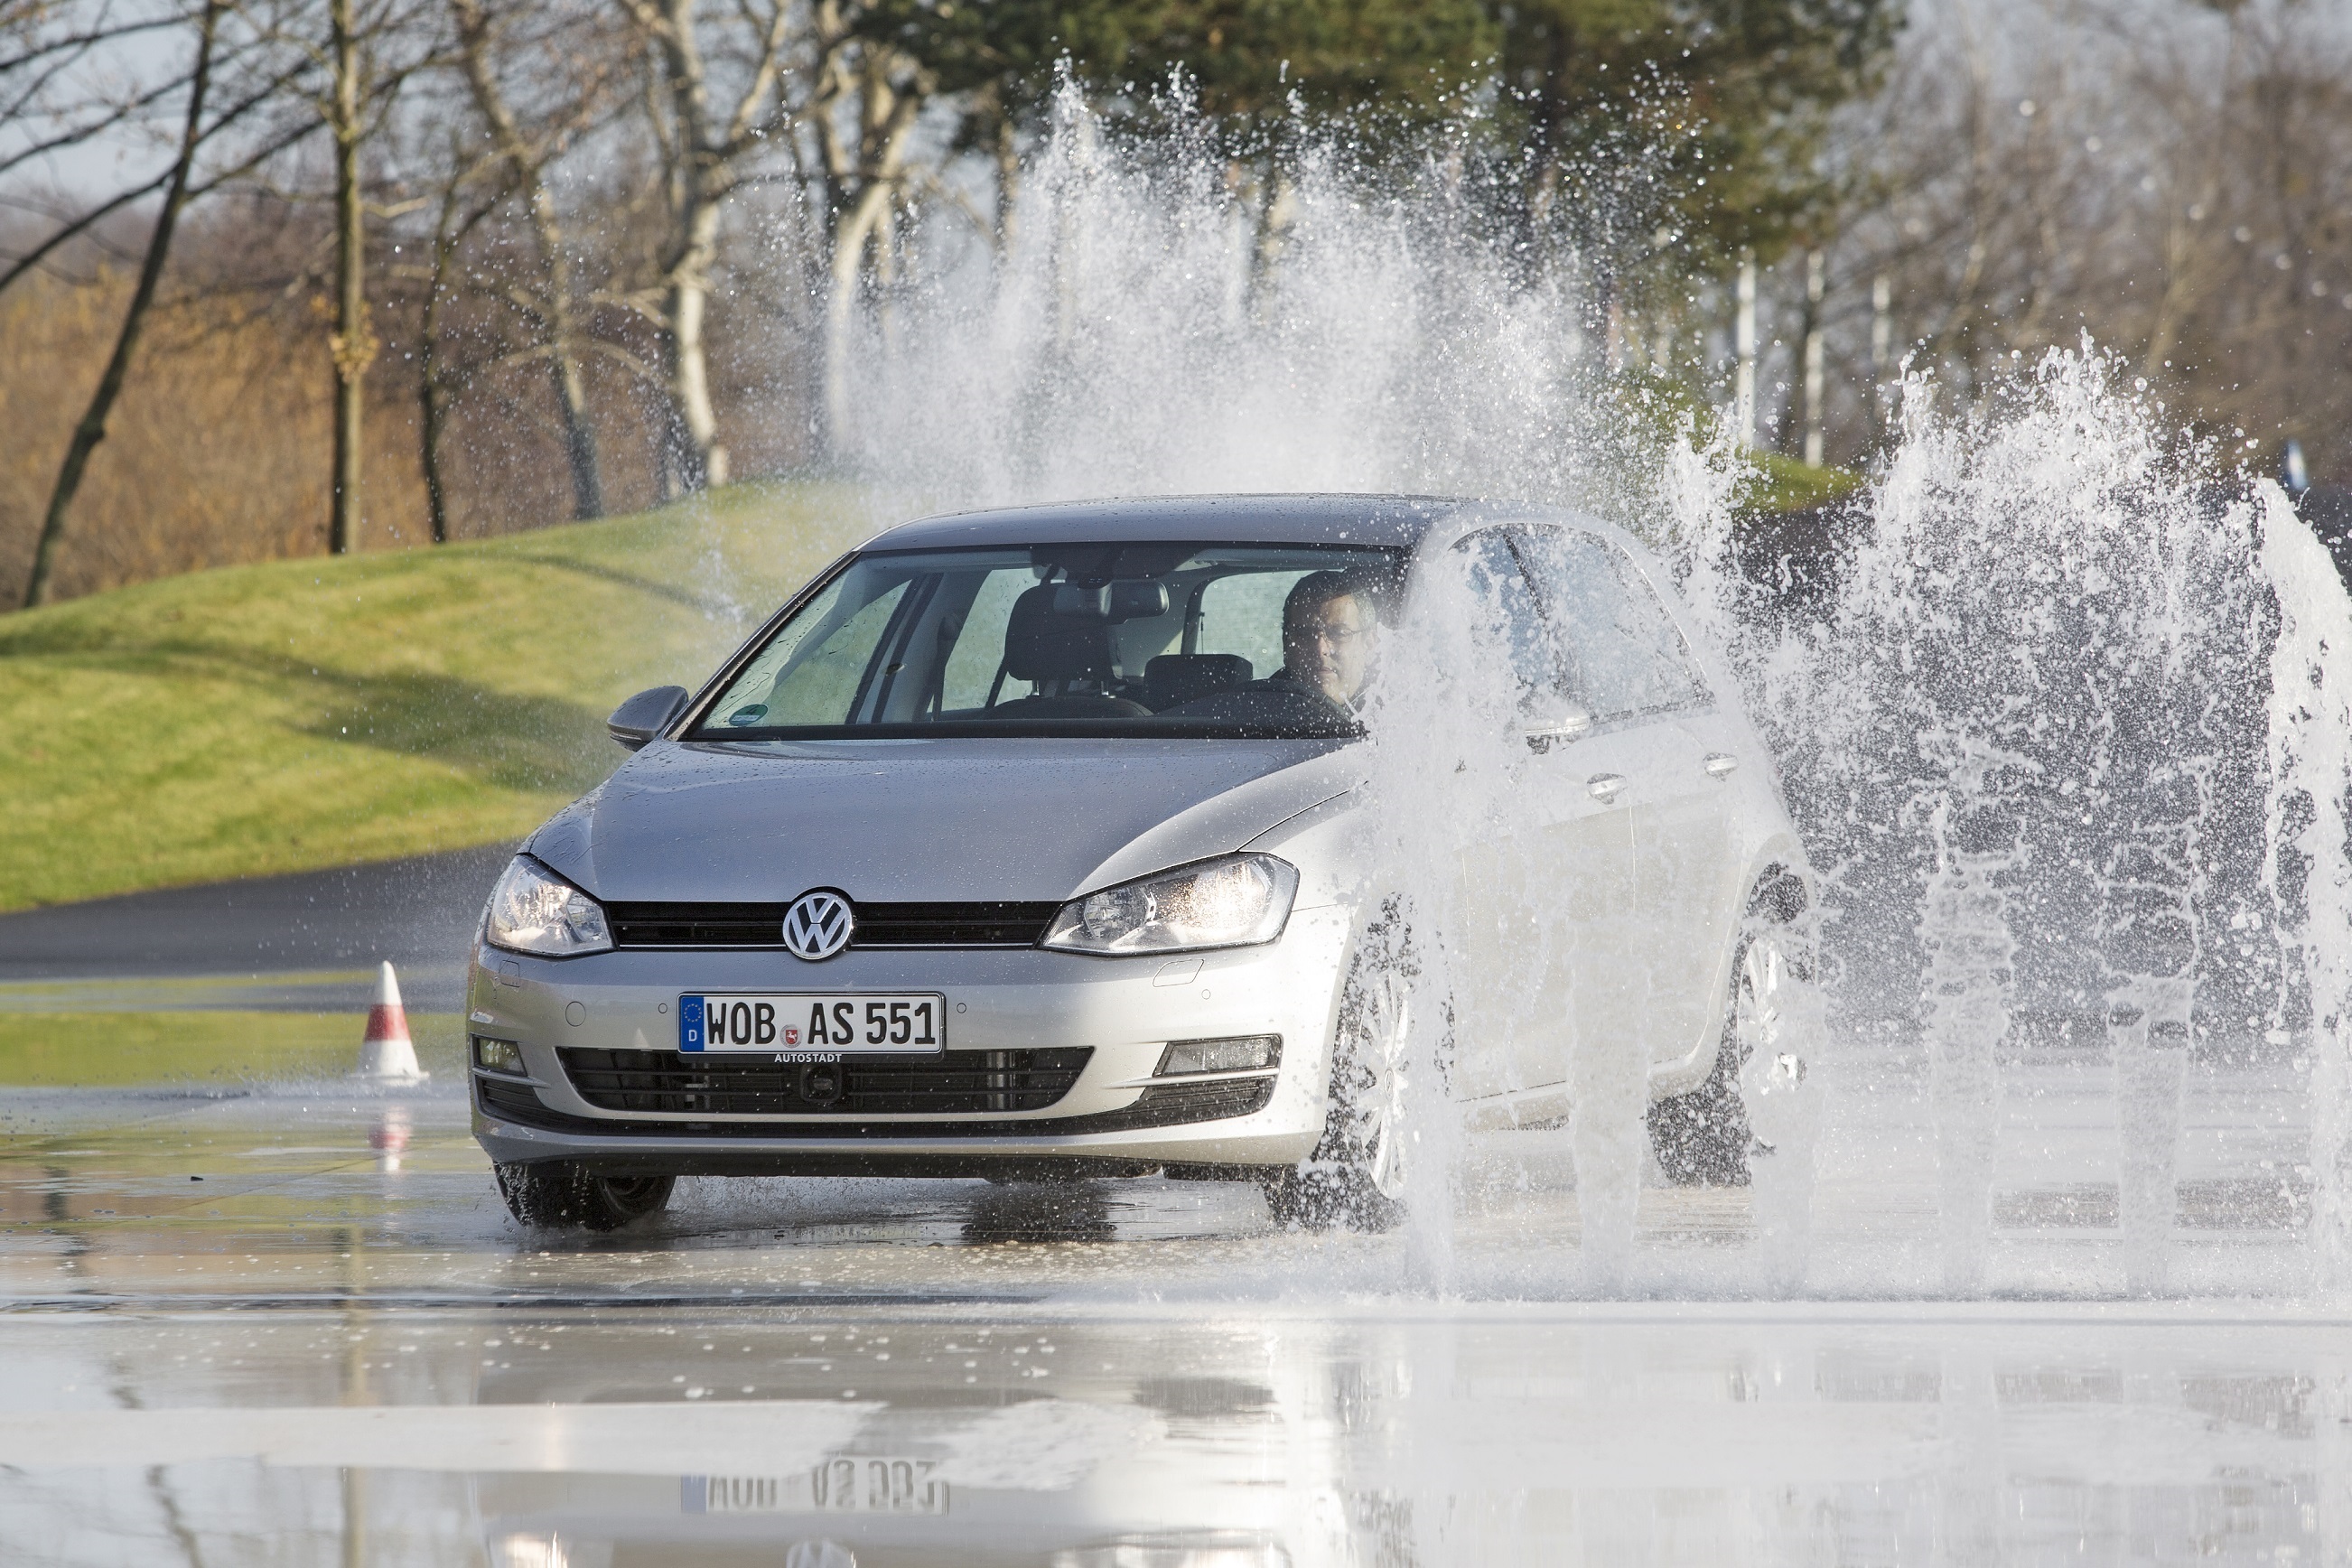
1115,1115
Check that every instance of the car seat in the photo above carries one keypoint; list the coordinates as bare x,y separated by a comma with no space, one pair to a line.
1056,654
1174,677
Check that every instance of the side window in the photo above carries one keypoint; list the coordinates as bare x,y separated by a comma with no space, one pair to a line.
820,685
1507,620
1628,655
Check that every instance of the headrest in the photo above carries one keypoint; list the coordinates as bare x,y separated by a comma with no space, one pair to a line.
1114,600
1174,677
1040,645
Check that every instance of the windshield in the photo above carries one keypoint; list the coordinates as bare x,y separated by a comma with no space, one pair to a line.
1144,639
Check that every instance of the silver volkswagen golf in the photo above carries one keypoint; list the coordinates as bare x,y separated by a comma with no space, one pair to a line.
1029,843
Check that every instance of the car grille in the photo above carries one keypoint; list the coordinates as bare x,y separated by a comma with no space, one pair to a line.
952,1082
986,924
1161,1105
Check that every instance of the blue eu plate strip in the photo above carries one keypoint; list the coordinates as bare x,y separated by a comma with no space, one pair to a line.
689,1023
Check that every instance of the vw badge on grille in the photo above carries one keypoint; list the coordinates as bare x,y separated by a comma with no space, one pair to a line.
818,925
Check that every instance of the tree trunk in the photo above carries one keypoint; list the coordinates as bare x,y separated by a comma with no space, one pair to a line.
571,389
691,455
857,229
697,456
353,344
1274,215
91,430
436,419
526,166
1743,342
562,340
1610,317
432,407
1006,152
862,184
1882,357
886,274
1814,381
704,151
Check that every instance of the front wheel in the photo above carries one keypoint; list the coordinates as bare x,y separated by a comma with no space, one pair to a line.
1703,1138
1340,1187
1355,1178
558,1194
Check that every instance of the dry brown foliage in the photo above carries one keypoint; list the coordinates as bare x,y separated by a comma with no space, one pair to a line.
211,456
217,453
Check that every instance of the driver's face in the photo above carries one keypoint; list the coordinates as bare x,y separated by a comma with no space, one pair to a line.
1331,645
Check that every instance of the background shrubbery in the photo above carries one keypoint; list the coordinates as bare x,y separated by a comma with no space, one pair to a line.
1962,183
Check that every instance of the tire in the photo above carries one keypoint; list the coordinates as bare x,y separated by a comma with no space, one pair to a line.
1354,1180
1319,1195
557,1194
1702,1138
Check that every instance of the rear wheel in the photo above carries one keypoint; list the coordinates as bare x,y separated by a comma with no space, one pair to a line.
556,1193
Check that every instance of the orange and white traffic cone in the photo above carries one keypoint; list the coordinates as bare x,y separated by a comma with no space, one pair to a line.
386,1056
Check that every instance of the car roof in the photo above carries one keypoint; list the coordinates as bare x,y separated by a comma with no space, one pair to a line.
1391,522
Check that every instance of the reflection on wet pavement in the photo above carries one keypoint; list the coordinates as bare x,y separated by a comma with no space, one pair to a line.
296,1326
1273,1436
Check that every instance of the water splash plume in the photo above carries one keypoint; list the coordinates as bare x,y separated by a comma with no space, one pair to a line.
2063,721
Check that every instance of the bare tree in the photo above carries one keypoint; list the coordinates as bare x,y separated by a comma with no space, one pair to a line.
460,212
2173,179
371,49
92,429
868,94
58,95
354,343
715,105
526,154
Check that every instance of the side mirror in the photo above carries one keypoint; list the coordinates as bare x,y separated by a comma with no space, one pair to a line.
1555,724
646,715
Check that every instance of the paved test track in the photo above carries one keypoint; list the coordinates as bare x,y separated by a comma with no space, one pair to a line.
418,912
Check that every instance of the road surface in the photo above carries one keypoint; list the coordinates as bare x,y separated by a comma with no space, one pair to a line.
294,1325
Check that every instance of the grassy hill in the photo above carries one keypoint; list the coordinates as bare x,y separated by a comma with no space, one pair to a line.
318,712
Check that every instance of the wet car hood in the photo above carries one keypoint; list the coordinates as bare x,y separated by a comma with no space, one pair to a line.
919,821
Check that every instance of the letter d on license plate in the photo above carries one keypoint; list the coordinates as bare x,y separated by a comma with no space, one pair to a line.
829,1025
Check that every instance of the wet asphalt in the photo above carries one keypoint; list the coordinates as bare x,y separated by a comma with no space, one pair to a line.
291,1323
275,931
295,1325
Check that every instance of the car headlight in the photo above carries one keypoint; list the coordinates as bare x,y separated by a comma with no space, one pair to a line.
1236,902
532,909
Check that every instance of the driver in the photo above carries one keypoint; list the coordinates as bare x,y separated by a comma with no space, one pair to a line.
1330,629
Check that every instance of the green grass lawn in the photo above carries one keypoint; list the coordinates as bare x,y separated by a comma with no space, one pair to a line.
1784,484
320,712
326,711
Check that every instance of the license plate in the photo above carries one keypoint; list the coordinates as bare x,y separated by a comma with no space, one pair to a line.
817,1027
863,1484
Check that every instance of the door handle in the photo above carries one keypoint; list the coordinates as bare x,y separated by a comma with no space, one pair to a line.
1719,765
1604,786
